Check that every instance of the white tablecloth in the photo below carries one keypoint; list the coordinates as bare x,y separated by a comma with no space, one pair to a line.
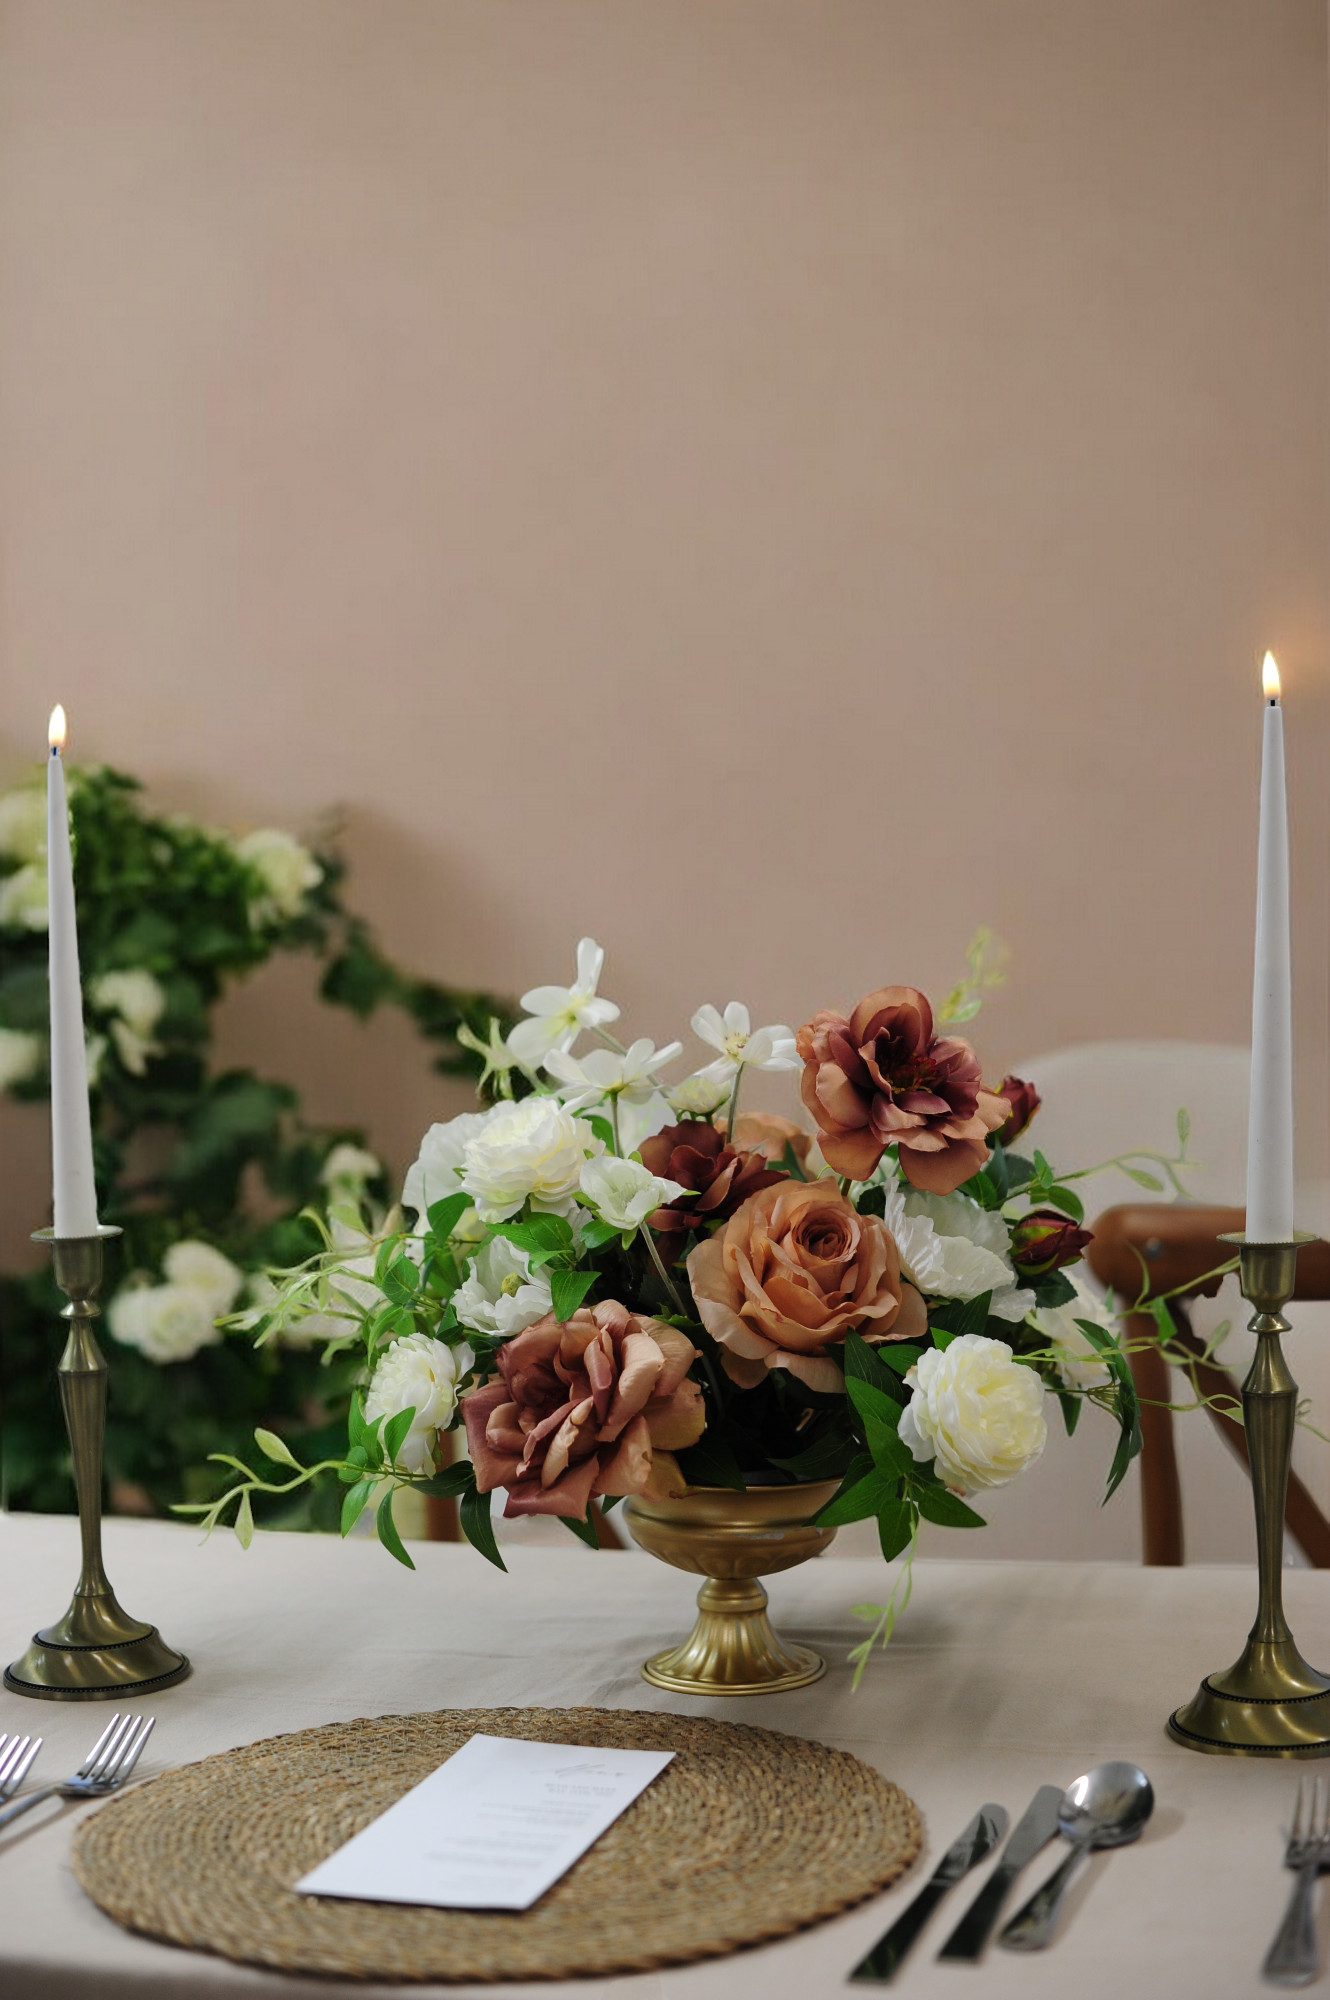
1002,1677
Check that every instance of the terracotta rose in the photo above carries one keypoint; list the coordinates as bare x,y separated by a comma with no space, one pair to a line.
790,1273
720,1177
883,1078
595,1405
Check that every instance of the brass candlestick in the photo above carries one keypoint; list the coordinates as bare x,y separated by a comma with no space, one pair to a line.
1270,1703
96,1652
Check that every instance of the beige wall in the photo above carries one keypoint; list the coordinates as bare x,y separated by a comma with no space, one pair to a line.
770,483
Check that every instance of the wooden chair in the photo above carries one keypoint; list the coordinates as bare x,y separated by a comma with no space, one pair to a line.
1153,1248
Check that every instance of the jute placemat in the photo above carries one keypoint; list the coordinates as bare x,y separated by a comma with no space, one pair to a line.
747,1835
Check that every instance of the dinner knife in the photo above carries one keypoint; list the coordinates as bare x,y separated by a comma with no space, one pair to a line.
979,1839
1036,1829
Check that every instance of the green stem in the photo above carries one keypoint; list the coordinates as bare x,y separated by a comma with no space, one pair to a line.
734,1106
644,1231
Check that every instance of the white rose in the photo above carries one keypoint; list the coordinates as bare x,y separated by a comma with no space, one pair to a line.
347,1169
975,1412
20,1055
23,898
165,1322
437,1171
951,1248
287,870
207,1271
534,1149
624,1192
1078,1363
420,1374
23,824
502,1295
139,1002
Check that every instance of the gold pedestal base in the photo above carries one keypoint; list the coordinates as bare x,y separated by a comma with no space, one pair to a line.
732,1649
1269,1704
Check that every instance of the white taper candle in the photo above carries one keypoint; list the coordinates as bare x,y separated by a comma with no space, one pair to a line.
71,1124
1270,1122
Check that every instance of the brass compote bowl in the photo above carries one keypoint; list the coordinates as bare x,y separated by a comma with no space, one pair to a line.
732,1539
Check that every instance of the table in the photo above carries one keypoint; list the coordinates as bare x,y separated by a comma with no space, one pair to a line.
1002,1676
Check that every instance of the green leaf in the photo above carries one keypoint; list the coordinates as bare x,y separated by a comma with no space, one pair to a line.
791,1165
567,1291
937,1503
355,1501
1184,1128
244,1521
826,1457
1144,1179
1053,1289
866,1364
1019,1173
881,1414
895,1527
542,1237
478,1527
898,1355
273,1447
860,1495
388,1534
1069,1202
363,1436
1127,1401
394,1431
401,1282
602,1128
1071,1411
448,1484
596,1232
711,1462
585,1530
957,1316
444,1215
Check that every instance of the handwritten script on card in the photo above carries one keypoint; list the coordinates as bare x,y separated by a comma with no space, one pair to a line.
492,1829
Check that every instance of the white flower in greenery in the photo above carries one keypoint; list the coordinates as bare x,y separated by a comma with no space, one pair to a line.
23,898
738,1046
1078,1362
20,1056
623,1192
603,1073
534,1150
561,1012
138,1003
697,1096
346,1171
951,1248
346,1291
498,1058
94,1051
638,1122
23,824
286,870
206,1271
437,1171
171,1322
502,1295
421,1374
975,1412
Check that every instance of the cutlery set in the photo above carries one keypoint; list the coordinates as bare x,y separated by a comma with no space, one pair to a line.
104,1769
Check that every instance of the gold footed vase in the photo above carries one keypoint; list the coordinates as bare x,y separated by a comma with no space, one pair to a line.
732,1539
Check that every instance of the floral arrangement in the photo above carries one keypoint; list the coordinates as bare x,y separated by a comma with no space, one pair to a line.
616,1285
171,914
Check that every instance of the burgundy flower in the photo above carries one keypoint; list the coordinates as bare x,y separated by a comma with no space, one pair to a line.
883,1078
1024,1100
696,1155
1044,1241
596,1404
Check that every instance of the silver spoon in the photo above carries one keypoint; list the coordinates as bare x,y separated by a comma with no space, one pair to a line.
1105,1808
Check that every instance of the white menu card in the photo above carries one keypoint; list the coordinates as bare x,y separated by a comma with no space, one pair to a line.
492,1829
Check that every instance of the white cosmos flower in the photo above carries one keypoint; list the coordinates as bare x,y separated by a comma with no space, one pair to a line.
533,1150
422,1374
1078,1362
138,1003
623,1192
738,1046
559,1013
605,1073
977,1413
286,870
951,1248
23,898
20,1055
502,1295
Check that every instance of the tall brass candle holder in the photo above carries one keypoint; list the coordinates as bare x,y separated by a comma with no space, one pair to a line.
1270,1703
96,1652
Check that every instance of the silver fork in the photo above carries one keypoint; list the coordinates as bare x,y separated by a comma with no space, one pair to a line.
1292,1958
105,1768
16,1755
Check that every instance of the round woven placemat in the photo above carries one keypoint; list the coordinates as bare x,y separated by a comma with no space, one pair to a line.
747,1835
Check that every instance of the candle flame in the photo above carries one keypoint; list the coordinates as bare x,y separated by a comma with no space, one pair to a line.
55,733
1270,677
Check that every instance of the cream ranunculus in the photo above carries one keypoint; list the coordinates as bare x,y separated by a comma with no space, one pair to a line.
953,1249
437,1171
624,1192
977,1413
138,1003
20,1056
421,1374
23,898
1079,1365
23,824
532,1150
286,870
501,1294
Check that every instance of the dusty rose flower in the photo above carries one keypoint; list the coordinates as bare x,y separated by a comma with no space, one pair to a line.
790,1274
720,1177
596,1405
1044,1241
1024,1100
884,1078
766,1132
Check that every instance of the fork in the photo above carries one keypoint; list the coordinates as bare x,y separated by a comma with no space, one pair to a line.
104,1769
16,1756
1292,1957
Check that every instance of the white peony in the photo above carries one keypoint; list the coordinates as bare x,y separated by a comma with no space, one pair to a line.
171,1322
420,1374
501,1294
623,1192
138,1002
287,871
20,1055
951,1248
739,1045
23,898
437,1171
1078,1363
23,824
975,1412
561,1012
346,1170
532,1150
